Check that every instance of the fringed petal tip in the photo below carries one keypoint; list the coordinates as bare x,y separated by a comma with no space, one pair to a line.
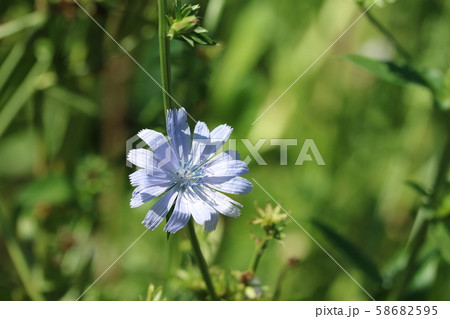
150,226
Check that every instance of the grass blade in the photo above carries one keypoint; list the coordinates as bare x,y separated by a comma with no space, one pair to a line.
353,253
20,96
10,63
31,20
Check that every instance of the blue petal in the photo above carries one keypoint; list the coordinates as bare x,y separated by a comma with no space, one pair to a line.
142,158
218,137
225,164
198,209
161,148
180,215
220,202
157,213
211,224
236,185
146,177
145,193
200,141
179,132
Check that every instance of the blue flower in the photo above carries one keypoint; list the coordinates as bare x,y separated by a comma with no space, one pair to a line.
188,174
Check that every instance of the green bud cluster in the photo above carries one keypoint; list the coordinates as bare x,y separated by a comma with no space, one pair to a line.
185,26
271,220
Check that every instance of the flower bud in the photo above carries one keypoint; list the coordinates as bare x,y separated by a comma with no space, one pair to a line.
184,26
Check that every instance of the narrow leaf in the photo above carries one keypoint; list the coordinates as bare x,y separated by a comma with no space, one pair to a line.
188,40
200,29
20,96
197,39
418,188
393,72
31,20
11,62
441,237
72,99
353,253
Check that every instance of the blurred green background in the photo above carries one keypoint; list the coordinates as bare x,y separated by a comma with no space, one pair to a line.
70,98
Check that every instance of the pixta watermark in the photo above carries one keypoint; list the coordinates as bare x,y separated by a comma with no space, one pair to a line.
302,150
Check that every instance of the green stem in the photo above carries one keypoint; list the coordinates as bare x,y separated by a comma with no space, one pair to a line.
164,54
281,276
417,238
260,248
201,260
386,33
444,164
419,232
18,258
421,223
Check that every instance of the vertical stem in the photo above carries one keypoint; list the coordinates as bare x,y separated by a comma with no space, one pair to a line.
421,223
201,260
258,254
164,58
417,238
444,164
281,276
386,33
164,54
18,258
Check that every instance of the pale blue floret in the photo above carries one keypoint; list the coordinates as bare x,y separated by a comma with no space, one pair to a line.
186,173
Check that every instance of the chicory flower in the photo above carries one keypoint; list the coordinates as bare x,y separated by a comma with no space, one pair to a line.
188,174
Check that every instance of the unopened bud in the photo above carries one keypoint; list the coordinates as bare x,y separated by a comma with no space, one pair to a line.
184,26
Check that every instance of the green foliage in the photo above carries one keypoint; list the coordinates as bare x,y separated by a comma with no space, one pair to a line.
271,220
406,73
155,294
185,25
70,98
30,21
380,3
418,188
51,190
355,255
443,210
393,72
440,233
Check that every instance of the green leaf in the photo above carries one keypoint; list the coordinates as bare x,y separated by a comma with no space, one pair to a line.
20,96
11,62
32,20
206,39
198,39
77,101
55,117
353,253
439,84
441,236
443,210
154,293
200,30
18,257
418,188
170,19
401,73
53,189
19,153
169,214
187,10
188,40
393,72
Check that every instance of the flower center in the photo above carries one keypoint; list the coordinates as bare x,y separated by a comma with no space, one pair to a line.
187,176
